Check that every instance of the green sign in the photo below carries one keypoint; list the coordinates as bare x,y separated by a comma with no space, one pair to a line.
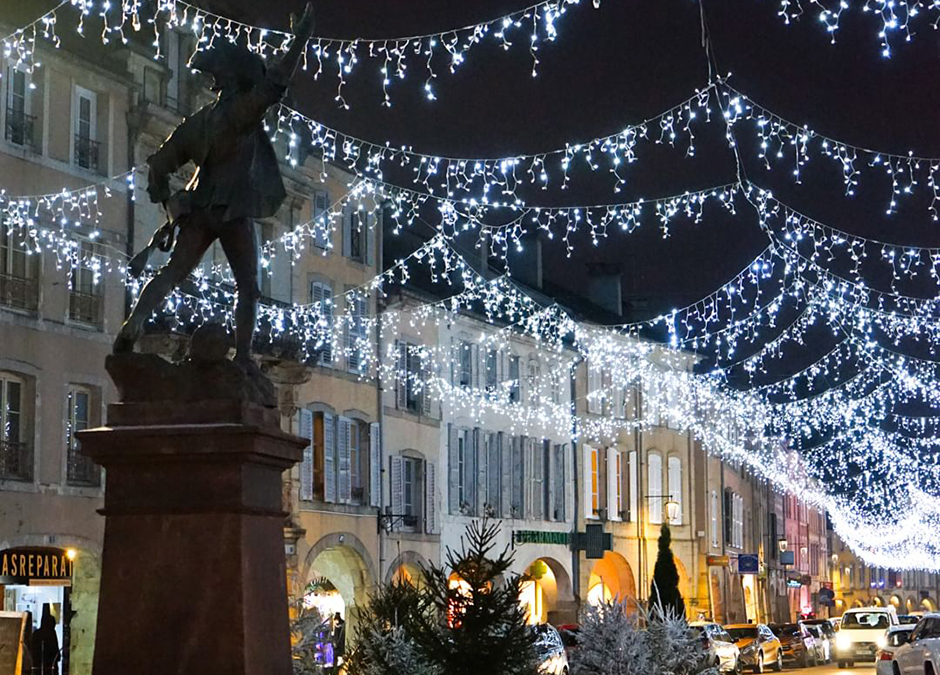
540,537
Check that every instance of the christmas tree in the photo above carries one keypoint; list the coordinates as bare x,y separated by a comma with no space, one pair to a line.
665,588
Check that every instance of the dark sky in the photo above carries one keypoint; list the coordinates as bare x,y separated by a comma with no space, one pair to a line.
627,61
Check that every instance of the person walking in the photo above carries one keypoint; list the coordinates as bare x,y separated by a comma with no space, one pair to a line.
44,646
26,645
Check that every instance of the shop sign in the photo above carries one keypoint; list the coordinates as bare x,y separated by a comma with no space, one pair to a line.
35,567
717,561
748,563
794,579
541,537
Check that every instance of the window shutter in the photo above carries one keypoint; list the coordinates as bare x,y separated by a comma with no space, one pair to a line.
347,230
517,508
306,468
427,372
375,464
505,453
728,515
370,239
321,203
634,497
588,474
329,459
397,488
675,485
613,512
471,464
401,382
343,456
493,470
655,486
430,498
326,299
453,470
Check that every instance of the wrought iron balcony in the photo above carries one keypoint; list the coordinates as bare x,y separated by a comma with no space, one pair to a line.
87,152
20,128
19,292
81,470
85,307
16,461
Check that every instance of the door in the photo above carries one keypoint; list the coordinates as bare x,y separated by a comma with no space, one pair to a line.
910,658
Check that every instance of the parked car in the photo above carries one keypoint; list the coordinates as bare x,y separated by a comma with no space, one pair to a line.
722,652
836,622
799,646
759,647
862,633
569,637
908,619
894,638
822,643
550,650
827,636
920,653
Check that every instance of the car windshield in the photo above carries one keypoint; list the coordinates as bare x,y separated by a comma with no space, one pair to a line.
787,630
742,633
865,620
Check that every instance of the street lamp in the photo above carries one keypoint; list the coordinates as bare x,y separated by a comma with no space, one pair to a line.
782,544
672,510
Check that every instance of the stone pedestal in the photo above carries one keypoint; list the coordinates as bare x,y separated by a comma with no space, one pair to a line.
193,572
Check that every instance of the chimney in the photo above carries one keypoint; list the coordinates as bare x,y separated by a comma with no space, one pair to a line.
526,265
604,286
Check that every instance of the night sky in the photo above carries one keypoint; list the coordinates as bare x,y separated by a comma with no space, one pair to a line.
628,61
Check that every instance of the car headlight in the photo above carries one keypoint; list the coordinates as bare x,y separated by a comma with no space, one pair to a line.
882,641
843,641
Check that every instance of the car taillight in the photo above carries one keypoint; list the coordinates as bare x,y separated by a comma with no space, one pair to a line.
886,656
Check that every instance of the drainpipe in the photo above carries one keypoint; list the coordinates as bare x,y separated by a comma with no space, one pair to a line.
380,408
641,500
133,135
724,544
575,449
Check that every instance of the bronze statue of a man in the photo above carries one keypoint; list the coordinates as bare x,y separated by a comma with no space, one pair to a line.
237,179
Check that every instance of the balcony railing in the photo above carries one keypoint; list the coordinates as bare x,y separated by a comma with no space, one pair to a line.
81,470
85,307
87,152
16,461
19,128
19,292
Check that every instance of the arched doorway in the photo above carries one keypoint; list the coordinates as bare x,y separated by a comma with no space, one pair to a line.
547,584
338,576
895,601
928,604
611,579
407,568
876,601
911,606
858,603
683,580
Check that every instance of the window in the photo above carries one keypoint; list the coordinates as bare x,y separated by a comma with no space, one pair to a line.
595,394
713,517
409,393
535,454
772,529
19,272
462,450
465,371
558,466
85,301
735,513
356,243
266,273
357,234
16,461
410,486
174,63
154,91
614,483
320,203
357,332
408,491
20,125
358,440
321,292
81,470
655,480
494,468
532,381
492,370
85,115
674,471
517,488
515,390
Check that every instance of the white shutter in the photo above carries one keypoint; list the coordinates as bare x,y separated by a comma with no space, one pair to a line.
370,225
401,381
674,471
306,468
655,486
588,476
329,459
375,464
427,372
344,483
613,511
347,229
453,467
634,486
430,499
397,487
594,403
505,483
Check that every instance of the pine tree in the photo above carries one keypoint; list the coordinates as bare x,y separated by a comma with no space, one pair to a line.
674,648
665,587
611,642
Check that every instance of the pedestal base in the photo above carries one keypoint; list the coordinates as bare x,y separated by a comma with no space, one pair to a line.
193,571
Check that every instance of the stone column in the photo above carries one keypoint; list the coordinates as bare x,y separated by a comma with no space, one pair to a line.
193,569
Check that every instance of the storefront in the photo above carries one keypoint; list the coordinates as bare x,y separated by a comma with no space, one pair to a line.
36,584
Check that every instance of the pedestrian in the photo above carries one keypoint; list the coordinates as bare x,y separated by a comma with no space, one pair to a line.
339,640
44,646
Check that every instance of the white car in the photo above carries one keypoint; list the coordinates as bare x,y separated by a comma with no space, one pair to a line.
553,660
720,646
862,634
921,654
895,637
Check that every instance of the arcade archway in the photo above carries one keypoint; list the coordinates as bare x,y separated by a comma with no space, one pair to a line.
338,576
547,584
928,605
611,579
407,568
